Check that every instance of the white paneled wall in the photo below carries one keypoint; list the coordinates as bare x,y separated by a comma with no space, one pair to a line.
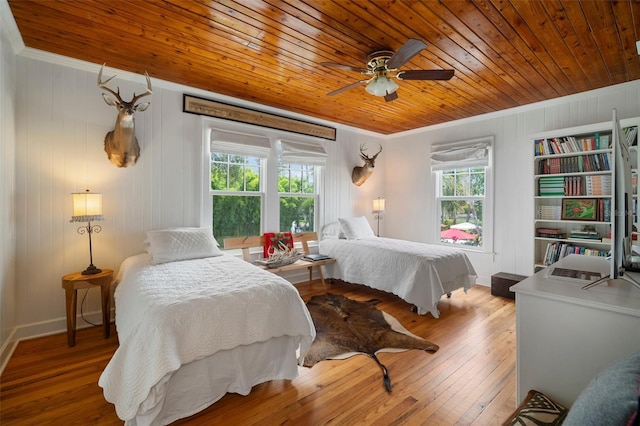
7,197
61,121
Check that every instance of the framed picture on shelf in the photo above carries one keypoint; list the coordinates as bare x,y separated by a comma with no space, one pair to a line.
579,209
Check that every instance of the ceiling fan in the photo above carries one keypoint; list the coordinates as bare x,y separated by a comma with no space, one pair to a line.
382,66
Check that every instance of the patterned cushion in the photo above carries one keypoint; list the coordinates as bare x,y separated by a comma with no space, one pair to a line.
537,409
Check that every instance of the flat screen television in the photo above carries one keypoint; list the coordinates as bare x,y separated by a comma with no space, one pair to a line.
622,258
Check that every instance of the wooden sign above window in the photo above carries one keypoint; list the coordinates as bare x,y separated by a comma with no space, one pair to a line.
200,106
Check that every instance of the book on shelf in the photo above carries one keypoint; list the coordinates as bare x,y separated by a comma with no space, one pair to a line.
573,186
554,236
599,162
585,235
556,233
549,212
631,135
315,257
569,144
558,250
598,185
543,230
605,209
551,185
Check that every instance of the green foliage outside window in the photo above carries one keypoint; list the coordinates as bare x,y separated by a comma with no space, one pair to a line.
296,185
297,214
235,215
237,203
235,173
462,195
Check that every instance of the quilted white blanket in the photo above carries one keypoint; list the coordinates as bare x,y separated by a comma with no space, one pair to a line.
174,313
418,273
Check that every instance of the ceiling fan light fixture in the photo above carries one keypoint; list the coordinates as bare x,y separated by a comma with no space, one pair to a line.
381,86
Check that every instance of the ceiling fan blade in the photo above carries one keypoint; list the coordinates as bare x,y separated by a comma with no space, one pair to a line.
346,67
351,86
425,75
391,96
408,50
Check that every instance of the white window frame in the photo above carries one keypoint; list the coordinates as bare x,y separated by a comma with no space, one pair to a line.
311,150
315,194
460,155
240,144
300,153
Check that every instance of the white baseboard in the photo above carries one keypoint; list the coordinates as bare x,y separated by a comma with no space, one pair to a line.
58,325
44,328
7,349
483,281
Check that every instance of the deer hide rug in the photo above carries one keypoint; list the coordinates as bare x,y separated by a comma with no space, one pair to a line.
346,327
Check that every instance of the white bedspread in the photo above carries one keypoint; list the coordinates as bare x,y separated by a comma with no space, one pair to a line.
174,313
418,273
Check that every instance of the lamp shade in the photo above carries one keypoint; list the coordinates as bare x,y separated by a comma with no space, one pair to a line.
87,207
381,86
378,205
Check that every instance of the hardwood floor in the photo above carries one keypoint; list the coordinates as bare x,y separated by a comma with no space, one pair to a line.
470,380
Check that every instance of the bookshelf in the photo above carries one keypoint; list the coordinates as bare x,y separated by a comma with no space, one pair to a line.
573,194
574,178
630,129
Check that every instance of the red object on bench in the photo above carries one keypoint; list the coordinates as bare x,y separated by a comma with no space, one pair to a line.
275,241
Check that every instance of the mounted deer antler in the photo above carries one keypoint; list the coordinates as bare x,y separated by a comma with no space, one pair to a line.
361,173
121,144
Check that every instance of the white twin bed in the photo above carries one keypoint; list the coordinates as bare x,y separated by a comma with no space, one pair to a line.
416,272
194,324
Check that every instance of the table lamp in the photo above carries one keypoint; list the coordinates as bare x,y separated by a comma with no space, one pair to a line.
87,207
378,209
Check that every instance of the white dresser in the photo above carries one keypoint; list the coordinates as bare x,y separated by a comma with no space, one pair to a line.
566,335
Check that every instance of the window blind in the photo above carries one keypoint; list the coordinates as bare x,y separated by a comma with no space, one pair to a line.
303,153
474,154
240,144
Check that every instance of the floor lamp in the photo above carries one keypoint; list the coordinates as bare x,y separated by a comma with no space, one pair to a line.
87,207
378,209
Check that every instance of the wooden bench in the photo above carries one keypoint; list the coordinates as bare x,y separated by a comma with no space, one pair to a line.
246,243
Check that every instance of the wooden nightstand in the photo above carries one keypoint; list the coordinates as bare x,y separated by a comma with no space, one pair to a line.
74,281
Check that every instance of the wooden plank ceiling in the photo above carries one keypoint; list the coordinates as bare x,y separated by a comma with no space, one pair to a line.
504,53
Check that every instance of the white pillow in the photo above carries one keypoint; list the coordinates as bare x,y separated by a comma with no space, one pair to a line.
355,228
168,245
332,231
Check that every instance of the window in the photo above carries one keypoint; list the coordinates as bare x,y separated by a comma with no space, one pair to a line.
237,195
462,193
246,174
237,188
297,185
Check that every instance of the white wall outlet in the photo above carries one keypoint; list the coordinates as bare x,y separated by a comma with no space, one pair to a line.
638,46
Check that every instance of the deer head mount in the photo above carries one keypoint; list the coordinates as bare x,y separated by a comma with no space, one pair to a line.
121,144
361,173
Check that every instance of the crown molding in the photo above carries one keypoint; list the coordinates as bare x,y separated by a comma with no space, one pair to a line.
10,27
